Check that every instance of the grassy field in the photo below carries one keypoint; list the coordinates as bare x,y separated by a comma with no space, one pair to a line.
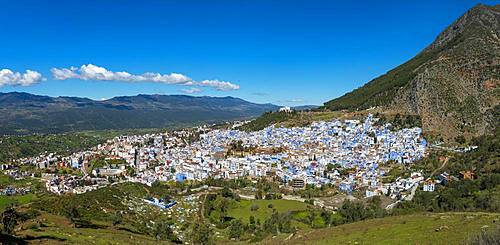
52,229
243,212
6,201
6,180
432,228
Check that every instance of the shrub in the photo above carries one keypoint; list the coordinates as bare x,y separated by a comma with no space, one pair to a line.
485,237
254,207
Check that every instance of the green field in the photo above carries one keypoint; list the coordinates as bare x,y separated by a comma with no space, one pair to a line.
243,212
6,201
428,228
58,230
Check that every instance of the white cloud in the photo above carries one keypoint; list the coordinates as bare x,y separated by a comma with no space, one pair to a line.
8,77
93,72
63,74
219,85
191,90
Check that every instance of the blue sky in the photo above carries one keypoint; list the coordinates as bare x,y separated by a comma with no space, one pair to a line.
282,52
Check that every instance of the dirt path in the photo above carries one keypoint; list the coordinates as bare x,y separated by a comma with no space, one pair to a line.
441,167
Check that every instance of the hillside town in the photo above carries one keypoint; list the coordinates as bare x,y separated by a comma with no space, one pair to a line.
348,154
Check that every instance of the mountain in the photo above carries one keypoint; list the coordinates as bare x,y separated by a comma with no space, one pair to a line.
23,113
453,84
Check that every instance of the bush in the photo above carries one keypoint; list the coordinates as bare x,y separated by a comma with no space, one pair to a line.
165,233
254,207
353,211
200,233
236,228
485,237
9,220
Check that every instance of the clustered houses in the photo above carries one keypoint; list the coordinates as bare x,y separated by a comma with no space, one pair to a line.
52,160
13,191
403,188
60,184
298,156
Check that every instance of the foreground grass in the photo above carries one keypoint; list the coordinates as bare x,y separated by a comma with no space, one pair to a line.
53,229
427,228
243,209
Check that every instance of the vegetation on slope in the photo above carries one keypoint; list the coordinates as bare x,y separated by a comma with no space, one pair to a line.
485,237
119,209
47,228
479,194
267,119
452,85
425,228
23,113
254,220
15,147
382,90
293,119
464,34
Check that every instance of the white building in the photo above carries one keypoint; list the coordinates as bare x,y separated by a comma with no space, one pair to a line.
285,109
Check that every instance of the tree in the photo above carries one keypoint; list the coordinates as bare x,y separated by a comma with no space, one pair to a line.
130,171
221,205
165,233
277,223
117,218
252,225
200,233
374,209
353,211
335,219
9,220
251,219
72,213
226,192
236,228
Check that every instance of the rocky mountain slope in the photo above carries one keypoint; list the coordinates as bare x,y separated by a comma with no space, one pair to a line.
23,113
453,84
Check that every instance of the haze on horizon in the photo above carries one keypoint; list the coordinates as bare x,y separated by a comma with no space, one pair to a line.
287,53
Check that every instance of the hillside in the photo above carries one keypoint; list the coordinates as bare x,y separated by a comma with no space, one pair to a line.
111,215
453,84
435,228
23,113
294,119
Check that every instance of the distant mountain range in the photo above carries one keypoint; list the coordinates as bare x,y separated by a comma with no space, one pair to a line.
24,113
453,84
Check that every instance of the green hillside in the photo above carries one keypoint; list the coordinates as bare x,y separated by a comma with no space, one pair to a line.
453,84
381,90
436,228
23,113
